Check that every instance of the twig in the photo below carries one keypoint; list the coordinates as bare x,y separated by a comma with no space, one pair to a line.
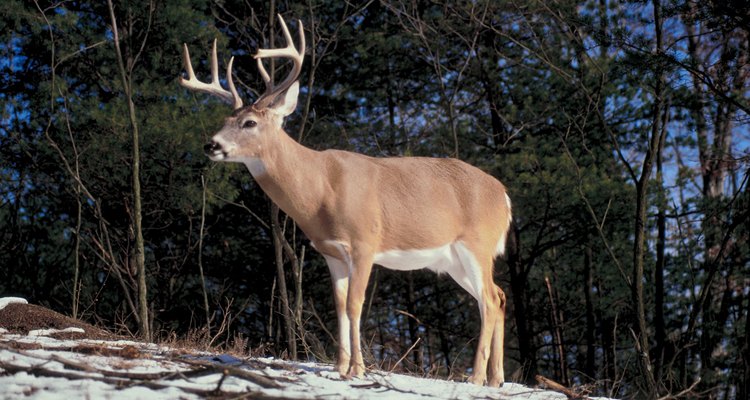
121,378
257,379
552,385
221,381
37,370
78,366
681,393
322,324
410,315
416,342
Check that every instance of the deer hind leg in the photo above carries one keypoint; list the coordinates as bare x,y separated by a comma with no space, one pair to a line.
340,278
476,278
488,308
497,375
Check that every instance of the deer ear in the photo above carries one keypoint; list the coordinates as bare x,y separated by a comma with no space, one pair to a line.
286,103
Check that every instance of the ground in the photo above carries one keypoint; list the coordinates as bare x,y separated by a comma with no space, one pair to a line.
22,318
45,355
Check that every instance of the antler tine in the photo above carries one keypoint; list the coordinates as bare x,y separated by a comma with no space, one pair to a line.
264,73
291,52
301,38
214,64
214,88
236,99
188,65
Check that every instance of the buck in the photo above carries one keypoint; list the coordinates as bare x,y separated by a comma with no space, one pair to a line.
403,213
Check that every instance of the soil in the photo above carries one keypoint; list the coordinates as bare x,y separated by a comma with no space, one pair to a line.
22,318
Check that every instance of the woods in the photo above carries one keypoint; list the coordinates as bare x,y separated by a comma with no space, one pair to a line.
620,129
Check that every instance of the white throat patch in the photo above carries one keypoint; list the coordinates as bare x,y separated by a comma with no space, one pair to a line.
255,166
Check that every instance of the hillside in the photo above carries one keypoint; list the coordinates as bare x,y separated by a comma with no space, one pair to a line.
46,355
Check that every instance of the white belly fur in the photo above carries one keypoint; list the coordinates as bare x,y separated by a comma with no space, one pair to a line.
454,259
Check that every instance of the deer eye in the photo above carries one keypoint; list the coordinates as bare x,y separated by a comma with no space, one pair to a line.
249,124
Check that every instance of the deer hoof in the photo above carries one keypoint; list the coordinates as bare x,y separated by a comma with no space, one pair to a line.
356,371
477,379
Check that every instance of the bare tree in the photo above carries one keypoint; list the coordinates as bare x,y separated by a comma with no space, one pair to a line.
140,261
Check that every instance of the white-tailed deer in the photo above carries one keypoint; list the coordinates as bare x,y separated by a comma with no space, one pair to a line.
403,213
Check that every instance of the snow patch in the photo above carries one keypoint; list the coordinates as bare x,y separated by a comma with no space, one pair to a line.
11,300
47,332
52,369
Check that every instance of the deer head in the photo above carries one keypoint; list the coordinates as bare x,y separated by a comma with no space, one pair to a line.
249,133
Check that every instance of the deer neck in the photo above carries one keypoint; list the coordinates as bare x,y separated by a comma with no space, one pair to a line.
290,174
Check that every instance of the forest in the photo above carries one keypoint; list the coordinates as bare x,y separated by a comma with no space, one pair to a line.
620,128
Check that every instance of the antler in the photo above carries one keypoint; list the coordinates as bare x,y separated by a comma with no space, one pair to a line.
214,88
289,52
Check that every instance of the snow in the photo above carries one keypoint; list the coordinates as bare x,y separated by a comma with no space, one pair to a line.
47,332
10,300
162,373
43,367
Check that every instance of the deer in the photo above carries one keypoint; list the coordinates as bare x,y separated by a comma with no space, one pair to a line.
402,213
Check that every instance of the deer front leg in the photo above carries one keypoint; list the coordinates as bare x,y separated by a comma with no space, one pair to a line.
359,275
340,279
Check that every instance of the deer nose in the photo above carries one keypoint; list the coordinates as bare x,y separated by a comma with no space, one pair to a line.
212,148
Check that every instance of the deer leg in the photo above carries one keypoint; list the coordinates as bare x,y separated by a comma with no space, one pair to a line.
340,278
476,278
359,275
497,375
488,308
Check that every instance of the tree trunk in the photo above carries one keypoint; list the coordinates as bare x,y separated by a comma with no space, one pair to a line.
660,334
639,309
518,291
410,308
200,257
648,387
557,334
588,276
744,386
139,251
714,150
610,351
77,250
297,265
286,311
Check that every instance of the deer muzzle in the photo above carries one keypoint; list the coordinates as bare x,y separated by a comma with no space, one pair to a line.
214,150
